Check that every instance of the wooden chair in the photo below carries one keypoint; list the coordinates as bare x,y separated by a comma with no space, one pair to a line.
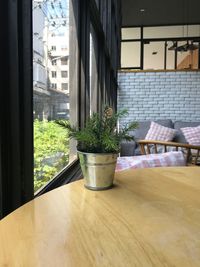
191,152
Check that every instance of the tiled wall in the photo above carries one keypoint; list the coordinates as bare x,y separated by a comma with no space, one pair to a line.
160,95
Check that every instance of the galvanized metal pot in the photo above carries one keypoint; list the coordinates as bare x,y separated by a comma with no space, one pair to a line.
98,169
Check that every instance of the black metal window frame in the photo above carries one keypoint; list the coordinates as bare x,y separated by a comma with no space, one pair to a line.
143,40
16,131
87,12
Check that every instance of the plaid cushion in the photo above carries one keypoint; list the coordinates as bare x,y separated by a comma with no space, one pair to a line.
160,133
175,158
192,135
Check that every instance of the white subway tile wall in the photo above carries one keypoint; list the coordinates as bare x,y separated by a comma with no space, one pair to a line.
160,95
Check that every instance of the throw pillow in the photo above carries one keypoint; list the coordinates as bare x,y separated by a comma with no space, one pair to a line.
192,135
160,133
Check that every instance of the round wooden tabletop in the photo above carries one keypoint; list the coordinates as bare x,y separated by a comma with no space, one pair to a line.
151,217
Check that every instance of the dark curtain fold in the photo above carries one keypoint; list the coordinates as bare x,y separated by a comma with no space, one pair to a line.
16,145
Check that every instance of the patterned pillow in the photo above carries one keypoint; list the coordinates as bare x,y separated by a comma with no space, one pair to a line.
167,159
160,133
192,135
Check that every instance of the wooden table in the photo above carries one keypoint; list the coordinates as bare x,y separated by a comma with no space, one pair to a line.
150,218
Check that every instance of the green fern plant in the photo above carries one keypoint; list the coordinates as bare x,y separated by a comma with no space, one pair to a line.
100,134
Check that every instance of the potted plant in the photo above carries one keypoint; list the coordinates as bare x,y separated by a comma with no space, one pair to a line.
99,145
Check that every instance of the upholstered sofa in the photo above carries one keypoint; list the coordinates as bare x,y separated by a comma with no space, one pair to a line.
132,148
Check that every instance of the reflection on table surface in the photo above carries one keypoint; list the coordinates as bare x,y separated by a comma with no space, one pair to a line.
151,217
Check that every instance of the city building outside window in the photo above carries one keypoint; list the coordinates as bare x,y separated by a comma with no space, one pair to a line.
51,142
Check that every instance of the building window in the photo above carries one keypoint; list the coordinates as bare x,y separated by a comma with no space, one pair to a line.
64,74
64,61
53,74
64,86
161,48
54,85
63,47
54,62
53,48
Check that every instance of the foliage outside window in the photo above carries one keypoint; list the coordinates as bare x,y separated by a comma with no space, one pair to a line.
51,151
51,99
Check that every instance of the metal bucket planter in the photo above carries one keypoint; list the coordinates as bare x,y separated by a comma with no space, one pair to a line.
98,169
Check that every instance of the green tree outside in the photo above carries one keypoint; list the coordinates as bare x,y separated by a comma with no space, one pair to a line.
51,151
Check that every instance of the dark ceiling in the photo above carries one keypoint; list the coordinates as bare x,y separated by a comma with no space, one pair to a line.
160,12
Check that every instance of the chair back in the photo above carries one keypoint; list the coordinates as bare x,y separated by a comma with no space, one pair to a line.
191,152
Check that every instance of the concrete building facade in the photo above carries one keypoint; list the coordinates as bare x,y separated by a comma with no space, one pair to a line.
50,64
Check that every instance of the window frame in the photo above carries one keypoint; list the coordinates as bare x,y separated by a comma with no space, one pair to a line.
16,150
142,41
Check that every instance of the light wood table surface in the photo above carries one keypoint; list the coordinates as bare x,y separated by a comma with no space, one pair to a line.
150,218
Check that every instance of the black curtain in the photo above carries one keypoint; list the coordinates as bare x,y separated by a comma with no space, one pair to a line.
16,121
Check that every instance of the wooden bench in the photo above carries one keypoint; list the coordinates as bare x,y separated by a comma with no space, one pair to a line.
192,152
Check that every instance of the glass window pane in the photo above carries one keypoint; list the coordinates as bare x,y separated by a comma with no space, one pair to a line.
154,56
172,31
130,54
51,84
131,33
182,57
170,56
195,56
188,54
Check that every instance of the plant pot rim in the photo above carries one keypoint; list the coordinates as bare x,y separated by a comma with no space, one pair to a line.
97,153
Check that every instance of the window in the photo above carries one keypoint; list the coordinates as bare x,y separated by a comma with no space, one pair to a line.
64,74
64,86
51,142
53,74
54,85
164,47
128,58
64,61
154,55
49,159
72,100
128,33
63,47
54,62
